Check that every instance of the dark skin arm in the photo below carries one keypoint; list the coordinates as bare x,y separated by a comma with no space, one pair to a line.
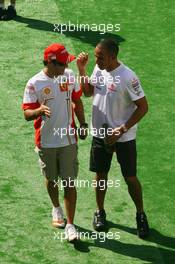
141,110
82,61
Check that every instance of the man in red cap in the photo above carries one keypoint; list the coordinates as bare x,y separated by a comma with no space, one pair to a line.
48,100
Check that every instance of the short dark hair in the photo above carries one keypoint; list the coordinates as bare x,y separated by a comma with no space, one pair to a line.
110,45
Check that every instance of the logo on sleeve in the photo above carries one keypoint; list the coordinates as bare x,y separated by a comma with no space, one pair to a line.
112,87
30,89
135,83
136,86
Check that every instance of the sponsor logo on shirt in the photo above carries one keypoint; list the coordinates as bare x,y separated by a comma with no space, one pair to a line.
135,83
47,90
112,87
47,93
136,86
64,87
30,89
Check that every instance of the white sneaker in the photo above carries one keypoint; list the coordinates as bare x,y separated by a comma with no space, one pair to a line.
71,233
57,217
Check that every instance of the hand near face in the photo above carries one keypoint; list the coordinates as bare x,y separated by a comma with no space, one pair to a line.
82,61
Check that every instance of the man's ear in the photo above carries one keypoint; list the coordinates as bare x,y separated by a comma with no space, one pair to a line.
113,56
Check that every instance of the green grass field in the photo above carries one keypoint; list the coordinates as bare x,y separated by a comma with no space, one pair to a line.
26,234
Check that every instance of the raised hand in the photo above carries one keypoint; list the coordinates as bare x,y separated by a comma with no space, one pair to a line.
82,61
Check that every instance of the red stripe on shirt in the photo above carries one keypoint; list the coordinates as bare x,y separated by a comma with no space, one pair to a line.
37,122
76,95
32,106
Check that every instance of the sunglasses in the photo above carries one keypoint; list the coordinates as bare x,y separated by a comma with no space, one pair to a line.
57,63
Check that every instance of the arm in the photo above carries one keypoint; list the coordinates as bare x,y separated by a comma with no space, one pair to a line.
141,110
31,114
79,111
32,108
87,88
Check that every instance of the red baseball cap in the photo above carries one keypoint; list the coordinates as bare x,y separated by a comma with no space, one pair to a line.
57,51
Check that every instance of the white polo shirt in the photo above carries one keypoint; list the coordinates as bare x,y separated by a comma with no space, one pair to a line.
113,99
58,130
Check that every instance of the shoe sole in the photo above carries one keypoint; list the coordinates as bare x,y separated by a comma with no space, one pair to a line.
73,240
100,228
57,225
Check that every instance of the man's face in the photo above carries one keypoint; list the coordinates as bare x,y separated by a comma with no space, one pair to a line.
103,59
57,68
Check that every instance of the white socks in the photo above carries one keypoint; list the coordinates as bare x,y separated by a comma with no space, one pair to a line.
55,208
68,225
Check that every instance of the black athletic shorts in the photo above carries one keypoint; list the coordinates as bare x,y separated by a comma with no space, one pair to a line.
100,157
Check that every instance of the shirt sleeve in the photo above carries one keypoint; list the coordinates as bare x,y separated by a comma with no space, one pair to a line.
134,88
76,94
77,91
93,78
30,100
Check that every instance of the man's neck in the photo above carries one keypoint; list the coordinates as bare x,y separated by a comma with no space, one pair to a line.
113,66
48,73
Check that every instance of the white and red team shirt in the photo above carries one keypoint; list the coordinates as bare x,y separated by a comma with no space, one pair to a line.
58,94
113,99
